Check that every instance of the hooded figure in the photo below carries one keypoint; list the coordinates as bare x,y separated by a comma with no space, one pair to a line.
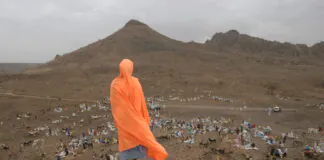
131,117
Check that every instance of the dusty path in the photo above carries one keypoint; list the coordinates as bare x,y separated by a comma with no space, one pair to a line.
169,106
48,98
224,108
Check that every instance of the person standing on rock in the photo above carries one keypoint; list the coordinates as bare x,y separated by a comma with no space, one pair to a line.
132,118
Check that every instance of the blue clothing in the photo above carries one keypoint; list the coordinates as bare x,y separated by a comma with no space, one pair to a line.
134,153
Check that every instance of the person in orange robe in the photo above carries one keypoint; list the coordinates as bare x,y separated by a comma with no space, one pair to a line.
132,118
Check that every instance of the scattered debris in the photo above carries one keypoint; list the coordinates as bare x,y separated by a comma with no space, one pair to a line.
276,109
95,117
84,107
65,117
188,132
222,99
4,147
33,133
284,98
57,121
27,143
38,143
23,115
58,109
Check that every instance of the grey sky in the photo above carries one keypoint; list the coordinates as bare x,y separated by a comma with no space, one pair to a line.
37,30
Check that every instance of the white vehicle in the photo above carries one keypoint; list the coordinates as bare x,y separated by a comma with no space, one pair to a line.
276,109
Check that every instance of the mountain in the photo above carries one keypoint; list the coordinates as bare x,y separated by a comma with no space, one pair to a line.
229,64
233,40
133,39
137,39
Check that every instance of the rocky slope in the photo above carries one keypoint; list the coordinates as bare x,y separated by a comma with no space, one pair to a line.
234,41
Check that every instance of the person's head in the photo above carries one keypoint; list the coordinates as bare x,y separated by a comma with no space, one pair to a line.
126,68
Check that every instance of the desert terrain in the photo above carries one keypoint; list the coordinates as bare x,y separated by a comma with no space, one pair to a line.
230,78
15,68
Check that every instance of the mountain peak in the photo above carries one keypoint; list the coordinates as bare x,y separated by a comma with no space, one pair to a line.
233,32
224,39
134,22
318,48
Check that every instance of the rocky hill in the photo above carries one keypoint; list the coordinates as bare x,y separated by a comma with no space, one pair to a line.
137,39
133,39
234,41
230,64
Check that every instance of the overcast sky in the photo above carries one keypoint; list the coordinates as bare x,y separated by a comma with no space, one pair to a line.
37,30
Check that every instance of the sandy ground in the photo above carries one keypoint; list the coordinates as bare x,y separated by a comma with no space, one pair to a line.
13,132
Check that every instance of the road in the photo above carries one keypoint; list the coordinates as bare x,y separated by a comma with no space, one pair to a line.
169,106
46,98
224,108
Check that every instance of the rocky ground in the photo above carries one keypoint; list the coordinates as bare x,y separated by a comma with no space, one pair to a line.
41,128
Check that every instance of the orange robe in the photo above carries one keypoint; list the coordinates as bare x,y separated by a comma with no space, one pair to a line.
130,113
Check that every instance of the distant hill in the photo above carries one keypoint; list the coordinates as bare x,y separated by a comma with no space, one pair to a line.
13,68
136,39
234,41
133,39
230,64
